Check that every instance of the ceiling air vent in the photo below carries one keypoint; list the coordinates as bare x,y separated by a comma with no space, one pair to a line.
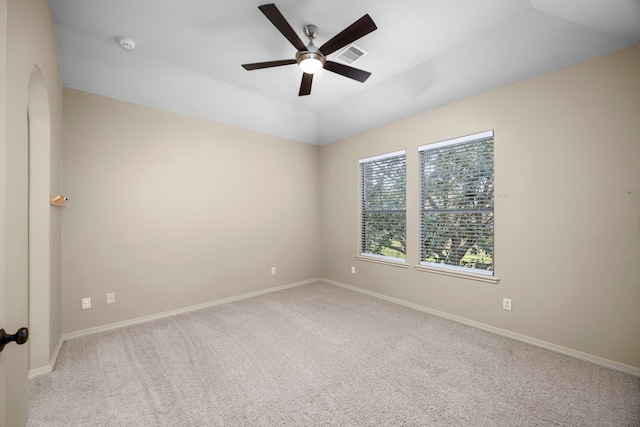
351,54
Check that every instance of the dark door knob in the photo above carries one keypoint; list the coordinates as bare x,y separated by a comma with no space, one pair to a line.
19,337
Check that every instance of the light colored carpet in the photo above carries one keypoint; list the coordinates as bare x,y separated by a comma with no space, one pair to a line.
322,355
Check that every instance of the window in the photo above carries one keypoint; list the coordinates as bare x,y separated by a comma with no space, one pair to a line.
457,204
383,206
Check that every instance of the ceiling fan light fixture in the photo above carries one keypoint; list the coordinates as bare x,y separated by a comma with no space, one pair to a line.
310,62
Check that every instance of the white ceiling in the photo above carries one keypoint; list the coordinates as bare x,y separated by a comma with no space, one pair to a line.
425,54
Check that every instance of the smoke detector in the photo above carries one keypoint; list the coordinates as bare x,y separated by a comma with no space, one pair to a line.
127,43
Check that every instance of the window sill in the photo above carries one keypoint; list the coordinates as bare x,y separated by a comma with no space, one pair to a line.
460,274
382,261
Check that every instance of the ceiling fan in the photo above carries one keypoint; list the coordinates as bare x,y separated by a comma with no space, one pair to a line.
312,59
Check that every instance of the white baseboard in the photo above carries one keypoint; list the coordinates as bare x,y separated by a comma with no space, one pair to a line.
152,317
498,331
52,362
46,369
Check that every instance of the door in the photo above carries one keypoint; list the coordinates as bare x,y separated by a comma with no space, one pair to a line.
14,284
14,278
14,281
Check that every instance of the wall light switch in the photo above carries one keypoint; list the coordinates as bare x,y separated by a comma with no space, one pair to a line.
273,270
86,303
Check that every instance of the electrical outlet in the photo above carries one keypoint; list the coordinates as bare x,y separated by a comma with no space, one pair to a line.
506,303
86,303
111,298
273,271
353,269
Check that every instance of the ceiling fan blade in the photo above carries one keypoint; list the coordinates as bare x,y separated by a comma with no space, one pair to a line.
353,32
269,64
276,18
305,86
345,70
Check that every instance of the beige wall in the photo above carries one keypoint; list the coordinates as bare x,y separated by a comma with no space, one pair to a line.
28,49
567,208
169,211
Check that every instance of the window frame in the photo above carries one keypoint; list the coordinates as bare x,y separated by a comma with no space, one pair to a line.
367,256
441,268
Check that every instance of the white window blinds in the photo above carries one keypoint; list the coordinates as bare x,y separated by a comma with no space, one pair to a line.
383,206
457,204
